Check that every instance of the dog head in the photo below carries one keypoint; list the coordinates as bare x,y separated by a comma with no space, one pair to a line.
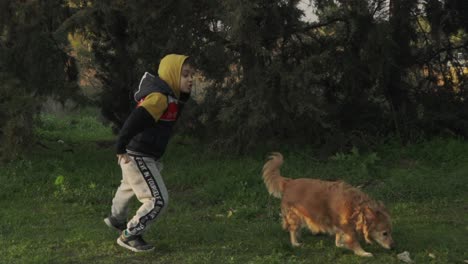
375,224
378,226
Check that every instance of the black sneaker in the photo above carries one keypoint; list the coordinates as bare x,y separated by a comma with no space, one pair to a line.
134,243
112,222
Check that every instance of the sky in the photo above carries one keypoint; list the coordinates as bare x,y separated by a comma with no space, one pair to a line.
309,15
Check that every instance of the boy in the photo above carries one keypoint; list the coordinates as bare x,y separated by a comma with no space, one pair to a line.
141,143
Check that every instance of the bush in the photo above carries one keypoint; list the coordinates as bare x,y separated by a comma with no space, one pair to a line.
17,110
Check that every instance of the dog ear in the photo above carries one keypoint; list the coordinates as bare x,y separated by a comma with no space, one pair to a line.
369,217
369,213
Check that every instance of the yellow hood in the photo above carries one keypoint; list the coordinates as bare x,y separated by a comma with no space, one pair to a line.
169,70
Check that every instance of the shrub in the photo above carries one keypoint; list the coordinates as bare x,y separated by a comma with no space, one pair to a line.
17,110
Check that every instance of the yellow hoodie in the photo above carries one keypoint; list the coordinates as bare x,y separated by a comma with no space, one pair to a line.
169,71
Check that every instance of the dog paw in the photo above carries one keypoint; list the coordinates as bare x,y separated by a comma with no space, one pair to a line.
364,254
340,245
296,244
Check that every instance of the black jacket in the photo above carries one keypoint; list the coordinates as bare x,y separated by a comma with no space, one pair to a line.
141,132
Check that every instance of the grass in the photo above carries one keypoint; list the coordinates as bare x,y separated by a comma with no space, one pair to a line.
54,199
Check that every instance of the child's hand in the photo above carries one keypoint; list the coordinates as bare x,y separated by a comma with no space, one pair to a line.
123,158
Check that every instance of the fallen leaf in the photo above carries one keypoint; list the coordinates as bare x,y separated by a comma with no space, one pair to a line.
405,257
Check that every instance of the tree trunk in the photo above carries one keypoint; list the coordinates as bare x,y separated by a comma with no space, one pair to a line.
397,90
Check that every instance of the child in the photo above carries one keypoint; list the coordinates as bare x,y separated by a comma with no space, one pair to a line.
141,143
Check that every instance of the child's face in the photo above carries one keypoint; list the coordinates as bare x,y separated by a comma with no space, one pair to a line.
186,78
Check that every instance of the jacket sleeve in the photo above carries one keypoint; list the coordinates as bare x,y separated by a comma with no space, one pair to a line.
141,118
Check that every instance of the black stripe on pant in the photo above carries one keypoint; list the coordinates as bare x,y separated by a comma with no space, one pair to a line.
155,192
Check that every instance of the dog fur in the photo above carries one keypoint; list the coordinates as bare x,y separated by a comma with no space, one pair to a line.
332,207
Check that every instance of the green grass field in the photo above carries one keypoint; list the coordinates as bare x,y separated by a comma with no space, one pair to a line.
54,200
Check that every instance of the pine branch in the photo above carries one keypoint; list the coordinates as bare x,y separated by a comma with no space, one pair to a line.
323,24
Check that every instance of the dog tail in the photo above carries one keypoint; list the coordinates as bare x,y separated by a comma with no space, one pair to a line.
272,176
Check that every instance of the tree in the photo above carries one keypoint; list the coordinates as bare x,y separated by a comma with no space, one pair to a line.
33,64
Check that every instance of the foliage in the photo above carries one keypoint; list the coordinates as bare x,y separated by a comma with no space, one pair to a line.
33,64
349,79
361,72
16,112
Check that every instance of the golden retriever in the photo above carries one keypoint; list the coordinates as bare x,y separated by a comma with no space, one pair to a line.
332,207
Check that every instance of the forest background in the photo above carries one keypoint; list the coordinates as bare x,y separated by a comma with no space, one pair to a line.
358,73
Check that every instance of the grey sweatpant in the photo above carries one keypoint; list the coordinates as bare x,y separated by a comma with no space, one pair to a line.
140,177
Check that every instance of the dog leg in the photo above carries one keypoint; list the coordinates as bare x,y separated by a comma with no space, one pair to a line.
360,252
339,240
293,223
352,243
293,234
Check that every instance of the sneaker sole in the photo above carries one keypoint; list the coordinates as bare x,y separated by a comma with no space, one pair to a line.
122,244
109,224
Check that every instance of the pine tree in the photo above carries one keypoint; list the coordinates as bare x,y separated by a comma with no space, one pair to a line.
33,64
